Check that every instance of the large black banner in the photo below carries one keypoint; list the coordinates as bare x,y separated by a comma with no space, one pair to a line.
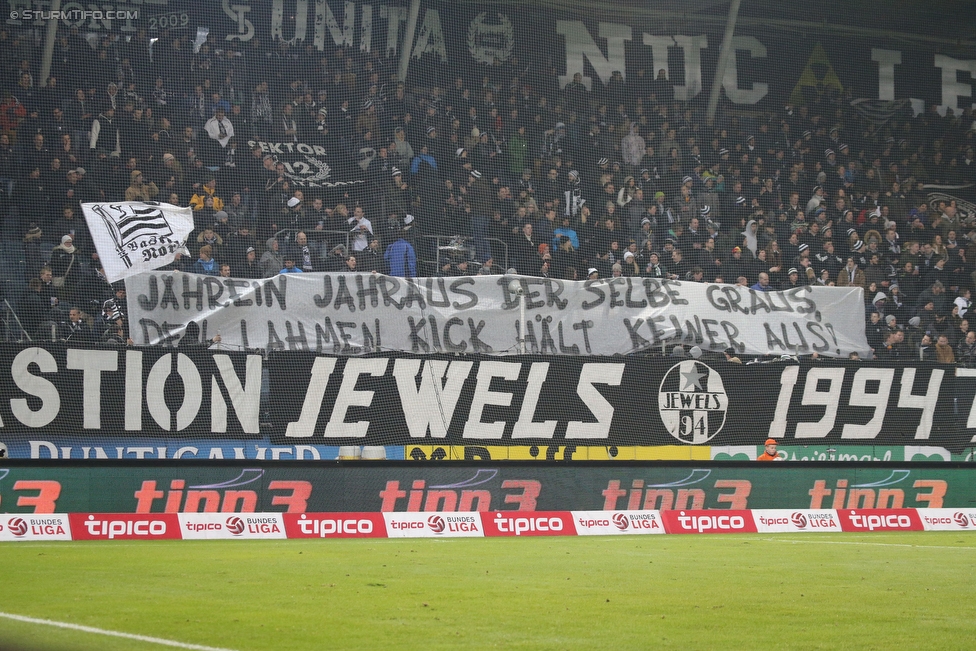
796,58
146,392
161,394
527,400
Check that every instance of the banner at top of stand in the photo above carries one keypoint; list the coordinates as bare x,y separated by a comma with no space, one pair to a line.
810,54
351,314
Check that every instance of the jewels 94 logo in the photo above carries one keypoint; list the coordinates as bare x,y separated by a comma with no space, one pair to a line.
692,402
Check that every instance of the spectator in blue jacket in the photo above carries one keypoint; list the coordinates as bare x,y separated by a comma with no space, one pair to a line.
400,256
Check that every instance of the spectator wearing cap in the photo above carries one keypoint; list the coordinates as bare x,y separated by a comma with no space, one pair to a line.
70,223
222,226
293,212
802,254
629,265
249,267
793,280
138,189
858,250
769,451
645,234
367,120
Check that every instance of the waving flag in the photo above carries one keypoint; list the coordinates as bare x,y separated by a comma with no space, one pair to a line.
136,236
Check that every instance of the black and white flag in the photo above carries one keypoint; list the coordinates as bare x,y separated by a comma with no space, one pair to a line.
135,236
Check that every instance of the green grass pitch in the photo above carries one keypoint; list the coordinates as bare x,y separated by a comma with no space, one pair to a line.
824,591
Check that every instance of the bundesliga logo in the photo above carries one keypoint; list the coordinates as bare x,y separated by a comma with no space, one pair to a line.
17,527
692,402
620,520
235,525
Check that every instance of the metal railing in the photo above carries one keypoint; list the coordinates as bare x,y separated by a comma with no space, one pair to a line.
13,329
454,249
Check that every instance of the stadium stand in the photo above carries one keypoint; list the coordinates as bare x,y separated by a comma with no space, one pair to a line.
469,176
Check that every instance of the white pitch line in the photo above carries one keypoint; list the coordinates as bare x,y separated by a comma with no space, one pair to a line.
842,542
101,631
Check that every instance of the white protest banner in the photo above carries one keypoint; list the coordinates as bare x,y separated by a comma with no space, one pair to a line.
352,314
135,236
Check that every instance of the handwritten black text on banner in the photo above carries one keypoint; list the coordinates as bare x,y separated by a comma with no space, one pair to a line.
358,313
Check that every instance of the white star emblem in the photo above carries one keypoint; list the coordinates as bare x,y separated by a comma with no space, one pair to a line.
692,379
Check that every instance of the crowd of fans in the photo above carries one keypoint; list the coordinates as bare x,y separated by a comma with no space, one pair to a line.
509,170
